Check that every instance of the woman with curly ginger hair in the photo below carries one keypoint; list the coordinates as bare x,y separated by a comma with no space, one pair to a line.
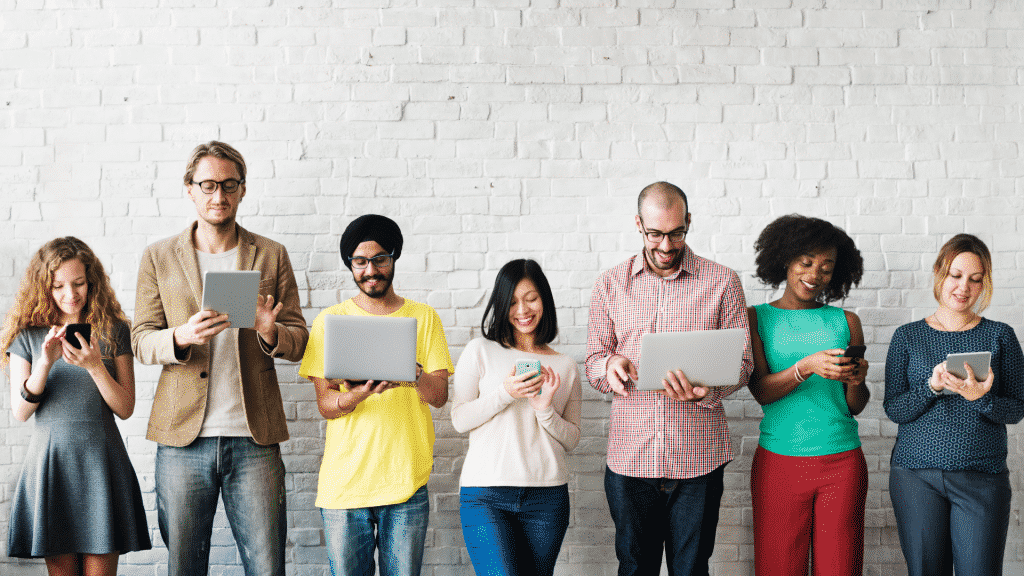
809,478
77,503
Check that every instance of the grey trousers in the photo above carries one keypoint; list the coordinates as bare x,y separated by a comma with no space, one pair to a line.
951,519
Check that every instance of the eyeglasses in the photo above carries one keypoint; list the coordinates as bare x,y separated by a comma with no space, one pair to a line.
381,261
229,186
656,236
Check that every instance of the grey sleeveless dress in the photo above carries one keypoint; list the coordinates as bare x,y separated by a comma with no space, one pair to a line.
78,492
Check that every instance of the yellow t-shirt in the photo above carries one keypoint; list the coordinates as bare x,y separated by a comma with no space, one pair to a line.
382,452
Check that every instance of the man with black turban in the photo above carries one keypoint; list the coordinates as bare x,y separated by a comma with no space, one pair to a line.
380,435
382,231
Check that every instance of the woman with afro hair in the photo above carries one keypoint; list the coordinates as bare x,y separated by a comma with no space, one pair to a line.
809,478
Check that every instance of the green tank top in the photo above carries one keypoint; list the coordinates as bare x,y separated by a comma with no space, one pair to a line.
813,419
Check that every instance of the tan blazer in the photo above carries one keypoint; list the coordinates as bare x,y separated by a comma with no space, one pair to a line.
170,291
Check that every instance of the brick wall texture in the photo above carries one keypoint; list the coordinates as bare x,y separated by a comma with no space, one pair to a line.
496,129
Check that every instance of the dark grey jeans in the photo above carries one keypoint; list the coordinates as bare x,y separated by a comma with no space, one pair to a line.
951,519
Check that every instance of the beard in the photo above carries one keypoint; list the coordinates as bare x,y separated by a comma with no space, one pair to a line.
653,261
381,288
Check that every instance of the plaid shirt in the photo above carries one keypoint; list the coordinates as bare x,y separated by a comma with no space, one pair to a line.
651,435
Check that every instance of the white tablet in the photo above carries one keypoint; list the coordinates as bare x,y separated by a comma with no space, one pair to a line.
709,358
956,364
370,348
233,293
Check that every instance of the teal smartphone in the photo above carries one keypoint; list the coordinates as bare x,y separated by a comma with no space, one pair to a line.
524,366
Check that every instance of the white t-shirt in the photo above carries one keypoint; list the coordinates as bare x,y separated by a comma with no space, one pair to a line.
510,443
224,413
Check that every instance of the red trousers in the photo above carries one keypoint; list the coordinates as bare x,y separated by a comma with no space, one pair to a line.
800,500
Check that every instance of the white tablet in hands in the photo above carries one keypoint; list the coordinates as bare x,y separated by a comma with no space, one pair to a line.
233,293
956,364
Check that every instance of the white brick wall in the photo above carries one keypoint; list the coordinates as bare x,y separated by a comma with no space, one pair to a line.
492,130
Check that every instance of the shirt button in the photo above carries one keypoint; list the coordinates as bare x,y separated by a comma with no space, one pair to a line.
202,374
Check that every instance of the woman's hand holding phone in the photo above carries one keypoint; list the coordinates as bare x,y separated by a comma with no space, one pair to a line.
88,356
830,364
524,385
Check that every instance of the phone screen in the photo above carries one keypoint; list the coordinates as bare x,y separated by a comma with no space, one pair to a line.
855,351
74,330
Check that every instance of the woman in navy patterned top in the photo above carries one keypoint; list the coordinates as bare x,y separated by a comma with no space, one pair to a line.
948,482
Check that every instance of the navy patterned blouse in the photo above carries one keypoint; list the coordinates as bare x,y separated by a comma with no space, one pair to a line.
949,432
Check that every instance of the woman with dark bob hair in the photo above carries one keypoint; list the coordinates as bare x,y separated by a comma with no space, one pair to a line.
514,500
809,478
948,479
77,503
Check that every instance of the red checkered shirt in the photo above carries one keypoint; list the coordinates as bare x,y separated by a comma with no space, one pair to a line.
649,434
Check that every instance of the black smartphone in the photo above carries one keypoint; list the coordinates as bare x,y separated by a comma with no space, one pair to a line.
855,351
71,334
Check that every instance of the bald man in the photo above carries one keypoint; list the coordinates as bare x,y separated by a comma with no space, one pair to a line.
667,449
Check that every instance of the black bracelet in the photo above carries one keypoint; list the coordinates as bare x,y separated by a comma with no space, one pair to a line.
30,397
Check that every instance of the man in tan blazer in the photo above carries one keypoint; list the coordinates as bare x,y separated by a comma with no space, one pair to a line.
217,413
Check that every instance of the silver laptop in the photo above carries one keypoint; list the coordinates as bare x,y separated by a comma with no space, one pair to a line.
233,293
370,348
709,358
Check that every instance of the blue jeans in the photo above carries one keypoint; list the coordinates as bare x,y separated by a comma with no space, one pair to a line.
511,530
401,531
648,513
251,479
950,519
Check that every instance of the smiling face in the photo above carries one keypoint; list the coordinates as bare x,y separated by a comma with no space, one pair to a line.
671,216
808,275
373,281
70,289
963,284
527,308
217,209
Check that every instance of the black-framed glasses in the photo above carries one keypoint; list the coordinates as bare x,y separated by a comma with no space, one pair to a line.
656,236
229,186
381,261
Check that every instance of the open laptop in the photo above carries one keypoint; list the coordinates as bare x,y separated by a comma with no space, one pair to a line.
370,348
709,358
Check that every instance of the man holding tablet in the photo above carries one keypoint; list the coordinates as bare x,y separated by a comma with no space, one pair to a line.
379,449
667,449
217,413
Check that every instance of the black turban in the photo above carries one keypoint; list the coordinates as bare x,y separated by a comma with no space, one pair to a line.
371,227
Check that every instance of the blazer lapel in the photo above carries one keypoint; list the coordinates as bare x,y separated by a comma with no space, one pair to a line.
246,250
189,262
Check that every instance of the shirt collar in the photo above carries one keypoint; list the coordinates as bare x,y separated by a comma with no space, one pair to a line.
688,264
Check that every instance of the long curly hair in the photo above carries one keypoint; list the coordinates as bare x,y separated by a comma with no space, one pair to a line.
35,306
791,236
